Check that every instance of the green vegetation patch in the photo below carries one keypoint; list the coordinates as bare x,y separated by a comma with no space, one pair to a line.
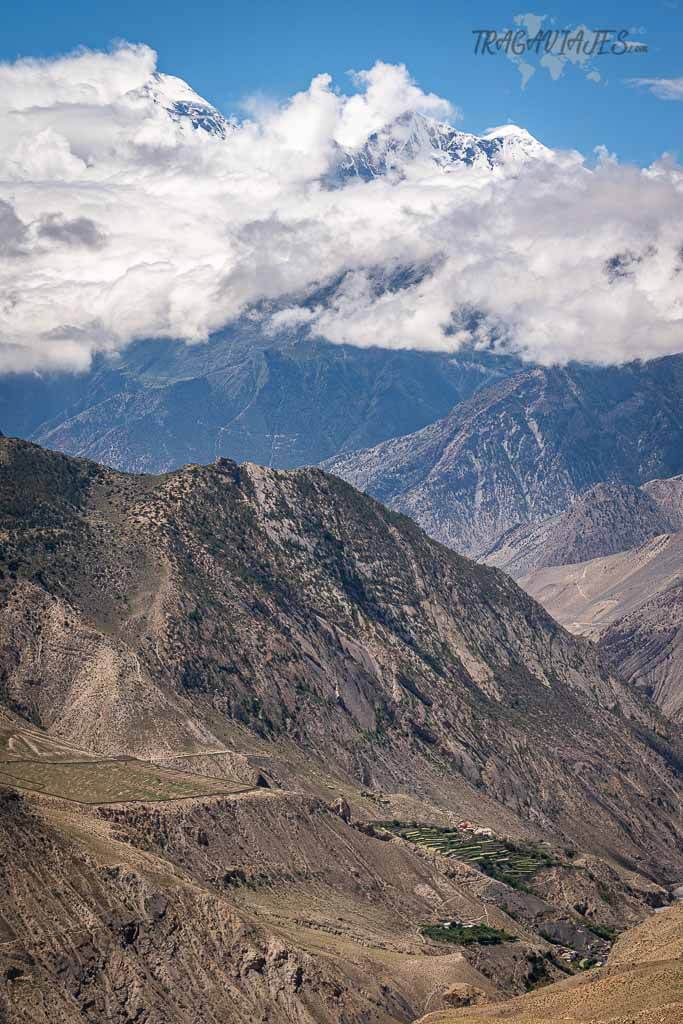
512,863
602,931
465,935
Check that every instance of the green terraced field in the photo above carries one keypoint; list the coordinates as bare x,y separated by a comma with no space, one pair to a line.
509,862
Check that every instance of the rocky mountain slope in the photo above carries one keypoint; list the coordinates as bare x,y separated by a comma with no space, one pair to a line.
611,567
283,402
633,603
150,614
668,496
524,449
589,595
646,645
604,520
213,682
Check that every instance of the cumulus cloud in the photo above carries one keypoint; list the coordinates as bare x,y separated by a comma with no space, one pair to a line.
388,92
122,218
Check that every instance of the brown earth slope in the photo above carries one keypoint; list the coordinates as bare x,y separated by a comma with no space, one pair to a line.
171,643
641,984
148,615
633,603
262,905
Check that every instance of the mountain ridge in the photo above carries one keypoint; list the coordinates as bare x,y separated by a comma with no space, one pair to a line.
232,700
334,623
415,138
604,520
283,402
526,448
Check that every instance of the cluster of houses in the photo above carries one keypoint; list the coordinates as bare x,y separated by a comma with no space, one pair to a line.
477,830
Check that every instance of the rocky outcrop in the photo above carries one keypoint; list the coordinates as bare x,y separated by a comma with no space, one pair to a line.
464,995
342,809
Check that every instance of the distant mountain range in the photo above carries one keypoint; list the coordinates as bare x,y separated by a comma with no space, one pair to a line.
525,448
284,399
282,402
414,138
410,138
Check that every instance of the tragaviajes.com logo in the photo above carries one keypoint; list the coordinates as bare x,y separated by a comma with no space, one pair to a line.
532,44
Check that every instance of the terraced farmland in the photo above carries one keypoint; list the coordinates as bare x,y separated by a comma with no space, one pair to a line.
110,781
513,863
34,761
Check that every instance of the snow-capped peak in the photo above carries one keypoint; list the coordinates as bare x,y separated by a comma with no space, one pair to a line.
416,138
184,105
505,131
516,144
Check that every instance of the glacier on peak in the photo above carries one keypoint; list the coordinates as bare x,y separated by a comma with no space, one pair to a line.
416,138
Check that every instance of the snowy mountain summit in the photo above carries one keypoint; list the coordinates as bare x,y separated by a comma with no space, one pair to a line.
417,139
186,107
411,140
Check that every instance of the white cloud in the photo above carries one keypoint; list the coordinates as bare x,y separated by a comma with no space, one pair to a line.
388,92
118,221
662,88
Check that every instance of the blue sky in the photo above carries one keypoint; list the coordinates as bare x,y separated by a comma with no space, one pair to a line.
227,51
